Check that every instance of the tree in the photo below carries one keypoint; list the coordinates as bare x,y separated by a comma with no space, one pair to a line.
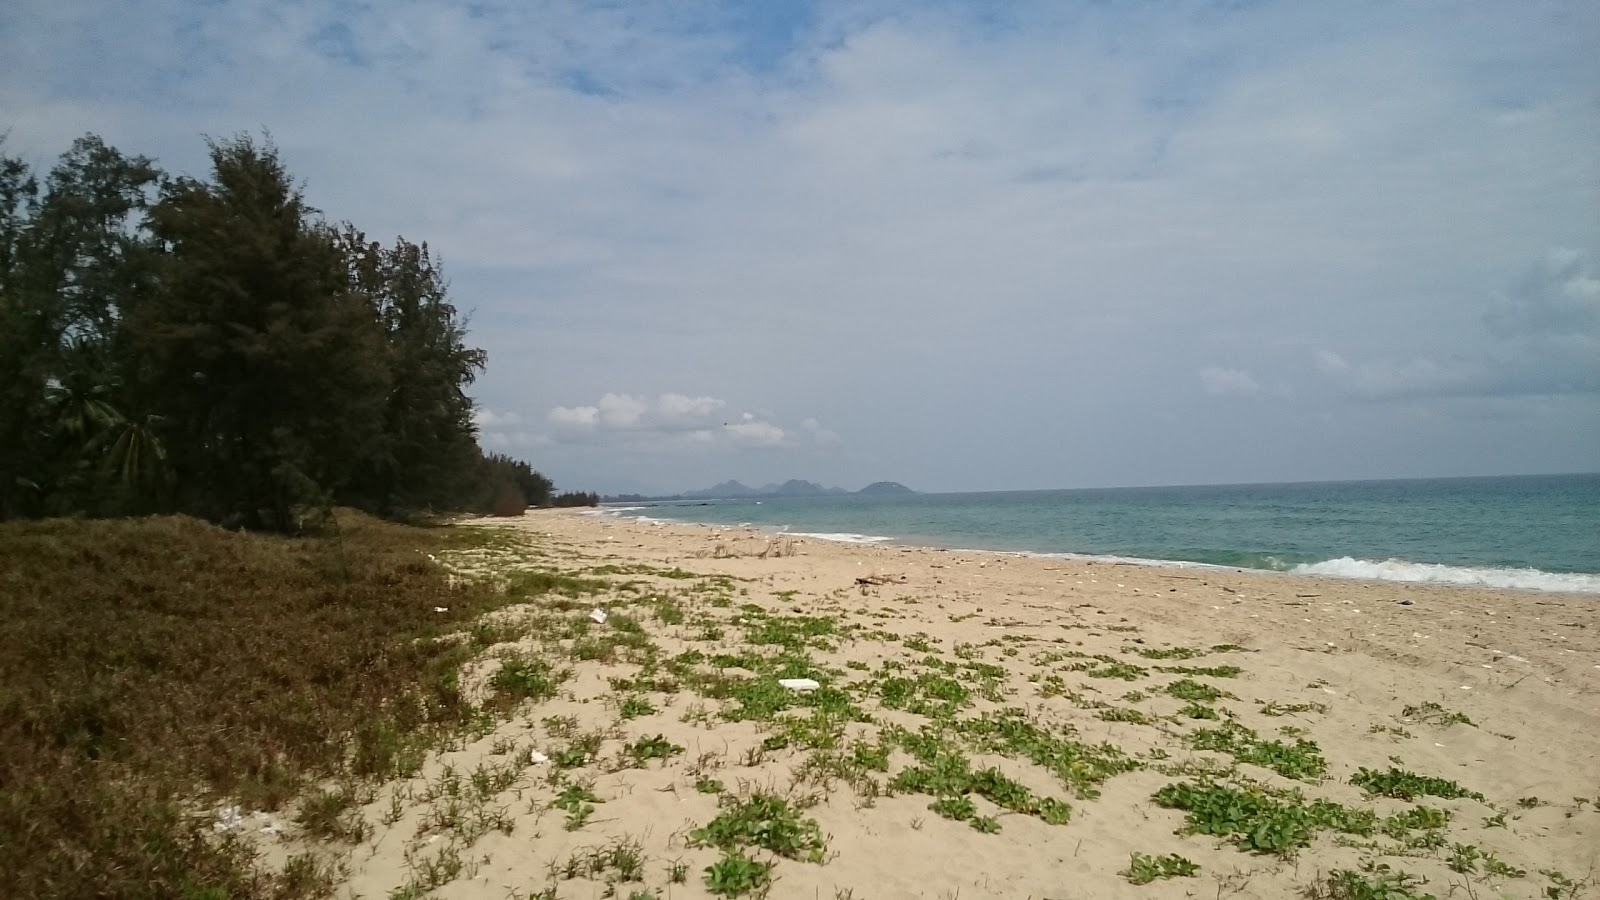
428,445
267,370
213,347
71,258
23,369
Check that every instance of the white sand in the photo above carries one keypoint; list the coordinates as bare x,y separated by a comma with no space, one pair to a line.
1524,667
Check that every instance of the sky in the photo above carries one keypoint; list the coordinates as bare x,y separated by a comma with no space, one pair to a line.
960,245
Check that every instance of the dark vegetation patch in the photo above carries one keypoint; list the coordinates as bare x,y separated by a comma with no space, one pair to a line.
154,667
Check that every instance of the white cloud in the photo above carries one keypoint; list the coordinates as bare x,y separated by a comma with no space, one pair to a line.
621,410
581,417
671,422
678,407
755,433
953,201
487,419
1219,380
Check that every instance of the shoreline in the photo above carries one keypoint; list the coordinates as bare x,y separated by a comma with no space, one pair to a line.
1577,584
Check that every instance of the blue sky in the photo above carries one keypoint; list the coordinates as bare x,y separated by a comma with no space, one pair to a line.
961,245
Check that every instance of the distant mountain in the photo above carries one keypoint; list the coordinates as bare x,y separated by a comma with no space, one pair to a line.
726,490
797,488
886,487
794,487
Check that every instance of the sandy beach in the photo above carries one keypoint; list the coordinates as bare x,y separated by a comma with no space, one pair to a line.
993,725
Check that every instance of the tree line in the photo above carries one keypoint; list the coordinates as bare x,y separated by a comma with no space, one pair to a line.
215,347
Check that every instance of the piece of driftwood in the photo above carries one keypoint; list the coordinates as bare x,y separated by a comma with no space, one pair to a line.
881,579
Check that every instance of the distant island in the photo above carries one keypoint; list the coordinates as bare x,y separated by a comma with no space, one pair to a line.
886,488
794,487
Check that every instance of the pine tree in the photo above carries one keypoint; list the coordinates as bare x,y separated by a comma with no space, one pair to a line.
428,445
267,370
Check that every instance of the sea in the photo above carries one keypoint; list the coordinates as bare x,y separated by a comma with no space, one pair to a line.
1537,532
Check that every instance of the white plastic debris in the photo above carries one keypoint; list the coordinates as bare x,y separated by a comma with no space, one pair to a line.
229,818
441,609
799,684
537,758
598,615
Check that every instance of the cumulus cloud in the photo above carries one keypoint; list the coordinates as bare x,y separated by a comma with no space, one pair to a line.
1539,337
488,419
678,407
1219,380
755,433
579,417
622,410
948,191
671,421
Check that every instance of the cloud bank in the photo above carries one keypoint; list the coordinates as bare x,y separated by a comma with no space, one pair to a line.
991,246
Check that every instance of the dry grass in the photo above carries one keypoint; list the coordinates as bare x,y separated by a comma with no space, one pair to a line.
155,666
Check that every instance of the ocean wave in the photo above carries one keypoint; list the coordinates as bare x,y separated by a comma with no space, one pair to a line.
843,537
1435,573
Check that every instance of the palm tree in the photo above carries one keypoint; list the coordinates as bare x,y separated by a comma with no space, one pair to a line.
134,454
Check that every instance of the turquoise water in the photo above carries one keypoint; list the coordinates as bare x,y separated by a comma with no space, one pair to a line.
1532,532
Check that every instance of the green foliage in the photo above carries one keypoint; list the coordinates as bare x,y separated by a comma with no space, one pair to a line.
1208,671
212,346
766,821
1082,767
1165,653
522,676
1121,714
1143,869
1188,689
1418,817
645,749
957,808
947,775
1378,883
634,706
1403,785
1255,820
736,874
1302,760
577,801
1111,667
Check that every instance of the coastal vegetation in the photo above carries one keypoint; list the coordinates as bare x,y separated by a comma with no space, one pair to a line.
208,392
208,713
214,346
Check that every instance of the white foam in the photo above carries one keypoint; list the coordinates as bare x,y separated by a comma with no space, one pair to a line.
1434,573
844,537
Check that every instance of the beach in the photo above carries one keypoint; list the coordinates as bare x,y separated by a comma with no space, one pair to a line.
992,725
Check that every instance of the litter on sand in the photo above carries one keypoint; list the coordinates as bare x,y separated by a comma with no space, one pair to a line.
799,684
598,615
228,819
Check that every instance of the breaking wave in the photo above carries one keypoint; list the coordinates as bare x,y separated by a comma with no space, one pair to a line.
1435,573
